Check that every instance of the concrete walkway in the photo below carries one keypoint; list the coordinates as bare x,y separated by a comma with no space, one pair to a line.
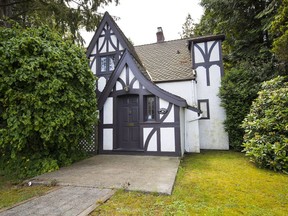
140,173
68,201
89,181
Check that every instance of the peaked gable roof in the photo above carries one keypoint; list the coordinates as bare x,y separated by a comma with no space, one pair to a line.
127,59
118,32
167,61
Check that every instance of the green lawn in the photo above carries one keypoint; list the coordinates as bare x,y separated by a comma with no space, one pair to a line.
210,183
11,192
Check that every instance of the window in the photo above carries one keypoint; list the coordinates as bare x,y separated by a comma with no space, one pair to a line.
203,105
107,63
150,108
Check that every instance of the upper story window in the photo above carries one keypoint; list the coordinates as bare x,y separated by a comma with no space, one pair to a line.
107,63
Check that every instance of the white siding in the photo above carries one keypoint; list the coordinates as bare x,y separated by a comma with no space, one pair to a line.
108,139
215,54
93,66
182,129
171,116
136,85
101,83
123,75
198,56
167,139
108,111
186,90
131,76
164,104
152,146
211,131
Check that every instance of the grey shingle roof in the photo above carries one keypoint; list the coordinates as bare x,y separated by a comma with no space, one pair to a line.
166,61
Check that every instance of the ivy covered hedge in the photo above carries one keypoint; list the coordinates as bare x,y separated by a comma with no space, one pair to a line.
266,126
47,100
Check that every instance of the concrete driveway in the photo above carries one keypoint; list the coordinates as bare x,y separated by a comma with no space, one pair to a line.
140,173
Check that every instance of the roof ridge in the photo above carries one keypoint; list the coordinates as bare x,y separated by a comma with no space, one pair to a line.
163,42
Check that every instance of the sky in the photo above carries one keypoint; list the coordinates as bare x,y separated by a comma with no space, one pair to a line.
139,19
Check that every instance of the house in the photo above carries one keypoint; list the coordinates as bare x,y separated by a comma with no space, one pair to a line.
160,98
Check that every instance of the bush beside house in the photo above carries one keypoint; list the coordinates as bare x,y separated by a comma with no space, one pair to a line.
266,126
47,100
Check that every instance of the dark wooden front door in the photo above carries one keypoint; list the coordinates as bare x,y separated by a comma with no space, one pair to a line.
128,138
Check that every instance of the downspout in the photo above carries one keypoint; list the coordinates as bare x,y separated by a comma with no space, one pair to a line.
200,116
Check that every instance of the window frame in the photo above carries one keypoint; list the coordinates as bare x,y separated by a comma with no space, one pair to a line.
107,59
206,102
146,108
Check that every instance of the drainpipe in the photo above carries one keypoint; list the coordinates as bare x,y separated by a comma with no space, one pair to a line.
200,116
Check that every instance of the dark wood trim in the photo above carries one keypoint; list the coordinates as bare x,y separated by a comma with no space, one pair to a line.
220,37
158,124
115,131
206,56
100,131
177,130
158,139
107,19
174,80
169,108
127,59
107,126
146,153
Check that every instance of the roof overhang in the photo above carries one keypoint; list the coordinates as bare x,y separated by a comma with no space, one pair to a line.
205,39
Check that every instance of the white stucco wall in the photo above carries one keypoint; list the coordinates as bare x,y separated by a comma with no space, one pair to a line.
182,129
108,111
152,145
186,90
167,137
211,131
107,139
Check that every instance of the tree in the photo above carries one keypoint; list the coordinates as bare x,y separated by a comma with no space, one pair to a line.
239,88
266,126
239,22
67,16
279,30
188,27
47,100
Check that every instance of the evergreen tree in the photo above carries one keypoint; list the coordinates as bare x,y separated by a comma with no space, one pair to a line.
67,16
188,27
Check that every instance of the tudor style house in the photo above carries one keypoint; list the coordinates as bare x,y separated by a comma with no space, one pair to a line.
160,98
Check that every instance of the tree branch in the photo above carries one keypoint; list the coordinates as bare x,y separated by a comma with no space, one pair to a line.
13,3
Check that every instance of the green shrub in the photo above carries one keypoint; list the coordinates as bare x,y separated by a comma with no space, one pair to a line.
266,126
47,100
239,88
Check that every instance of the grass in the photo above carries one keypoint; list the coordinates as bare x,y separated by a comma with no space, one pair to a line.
210,183
12,192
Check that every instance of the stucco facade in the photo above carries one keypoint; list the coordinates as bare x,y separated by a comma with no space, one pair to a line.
157,99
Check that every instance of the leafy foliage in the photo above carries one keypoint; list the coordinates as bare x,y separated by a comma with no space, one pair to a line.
188,27
239,89
266,126
238,21
279,28
47,100
67,16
